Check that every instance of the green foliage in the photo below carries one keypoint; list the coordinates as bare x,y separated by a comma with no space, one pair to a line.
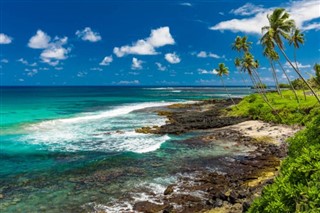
297,188
281,85
298,84
288,109
316,68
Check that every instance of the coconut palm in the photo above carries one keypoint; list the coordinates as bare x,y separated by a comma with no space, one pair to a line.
296,39
241,43
267,52
280,27
237,63
222,70
249,65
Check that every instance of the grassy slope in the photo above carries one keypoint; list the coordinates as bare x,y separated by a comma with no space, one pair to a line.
297,188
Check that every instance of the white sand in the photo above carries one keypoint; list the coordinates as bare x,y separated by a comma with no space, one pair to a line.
275,133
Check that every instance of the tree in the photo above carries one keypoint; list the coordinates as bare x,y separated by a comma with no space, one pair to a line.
280,27
316,68
222,70
296,39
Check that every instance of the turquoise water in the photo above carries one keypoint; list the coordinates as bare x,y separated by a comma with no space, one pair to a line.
76,146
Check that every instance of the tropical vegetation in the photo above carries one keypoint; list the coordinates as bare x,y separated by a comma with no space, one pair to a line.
297,187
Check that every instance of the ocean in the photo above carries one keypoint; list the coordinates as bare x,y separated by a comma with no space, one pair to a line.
75,149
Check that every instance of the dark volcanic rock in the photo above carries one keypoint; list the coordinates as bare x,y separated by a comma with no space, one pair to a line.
148,207
169,189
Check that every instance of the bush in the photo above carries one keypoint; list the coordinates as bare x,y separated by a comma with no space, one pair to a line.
284,85
297,188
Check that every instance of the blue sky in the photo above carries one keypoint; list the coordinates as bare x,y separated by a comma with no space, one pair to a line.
140,42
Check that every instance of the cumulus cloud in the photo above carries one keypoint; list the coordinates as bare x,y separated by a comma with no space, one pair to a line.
136,64
106,61
203,71
39,41
161,67
247,10
53,49
158,38
4,61
301,11
172,58
203,54
5,39
88,35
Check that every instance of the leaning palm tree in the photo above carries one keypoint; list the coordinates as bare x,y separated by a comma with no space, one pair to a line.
249,64
296,39
267,52
222,70
280,27
237,63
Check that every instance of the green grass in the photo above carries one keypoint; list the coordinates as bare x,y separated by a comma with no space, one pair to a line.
297,187
287,109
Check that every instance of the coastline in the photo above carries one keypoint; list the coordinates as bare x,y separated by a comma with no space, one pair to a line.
238,178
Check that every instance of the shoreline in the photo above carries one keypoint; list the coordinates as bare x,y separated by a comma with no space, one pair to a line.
239,178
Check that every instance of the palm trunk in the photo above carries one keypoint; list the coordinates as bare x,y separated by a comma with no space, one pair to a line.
297,71
261,84
227,91
285,73
263,95
295,59
275,78
244,82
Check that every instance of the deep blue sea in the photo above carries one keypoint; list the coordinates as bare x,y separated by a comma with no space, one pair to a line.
75,149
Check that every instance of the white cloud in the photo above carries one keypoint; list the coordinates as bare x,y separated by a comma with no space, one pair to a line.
188,73
301,11
301,66
203,71
106,61
203,54
88,35
247,9
141,47
186,4
161,67
39,41
158,38
96,69
172,58
4,61
5,39
21,79
25,62
81,74
127,82
136,64
31,72
53,49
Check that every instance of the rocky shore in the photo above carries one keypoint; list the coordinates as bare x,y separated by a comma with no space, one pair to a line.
237,179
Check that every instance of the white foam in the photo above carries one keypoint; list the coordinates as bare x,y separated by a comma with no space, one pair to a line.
112,130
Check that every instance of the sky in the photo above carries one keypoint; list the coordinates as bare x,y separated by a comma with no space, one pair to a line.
147,43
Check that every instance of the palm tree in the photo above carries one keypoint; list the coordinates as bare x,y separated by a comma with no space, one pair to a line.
267,52
237,63
221,71
279,27
297,38
241,44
